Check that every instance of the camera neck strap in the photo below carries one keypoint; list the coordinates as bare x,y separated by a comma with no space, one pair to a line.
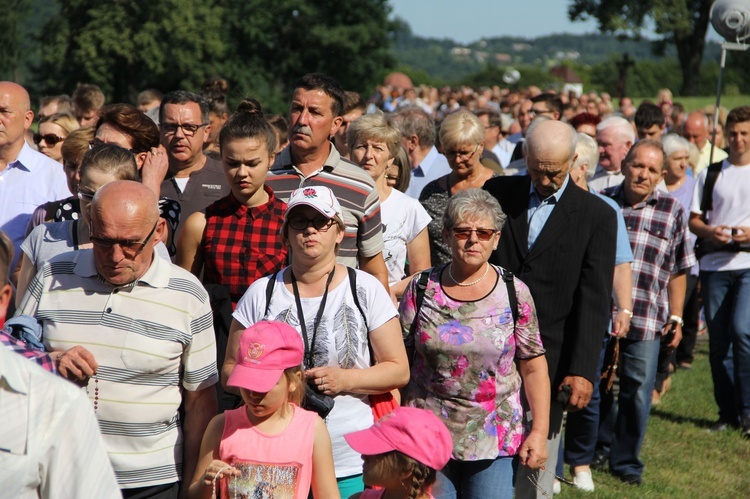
310,348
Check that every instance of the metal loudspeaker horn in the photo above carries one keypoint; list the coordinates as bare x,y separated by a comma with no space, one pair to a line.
511,76
731,19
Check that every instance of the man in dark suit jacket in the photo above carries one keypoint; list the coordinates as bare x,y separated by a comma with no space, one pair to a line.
560,241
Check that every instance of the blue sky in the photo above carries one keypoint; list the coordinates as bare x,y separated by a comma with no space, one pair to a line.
469,20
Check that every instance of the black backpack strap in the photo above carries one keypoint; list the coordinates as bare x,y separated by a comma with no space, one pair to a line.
512,298
269,292
707,201
353,286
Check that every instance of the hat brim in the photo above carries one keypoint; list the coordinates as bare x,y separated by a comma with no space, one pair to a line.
368,442
255,380
322,211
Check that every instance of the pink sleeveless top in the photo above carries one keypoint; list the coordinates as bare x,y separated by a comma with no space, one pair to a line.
277,465
377,494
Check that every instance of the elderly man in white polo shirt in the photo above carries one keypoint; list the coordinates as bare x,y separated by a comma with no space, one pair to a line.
137,332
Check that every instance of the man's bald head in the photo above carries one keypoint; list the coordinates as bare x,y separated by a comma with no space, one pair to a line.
125,228
131,199
19,94
695,128
551,135
550,152
16,117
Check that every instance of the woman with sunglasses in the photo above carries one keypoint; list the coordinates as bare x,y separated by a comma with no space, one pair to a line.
237,239
315,296
462,140
53,130
471,354
374,141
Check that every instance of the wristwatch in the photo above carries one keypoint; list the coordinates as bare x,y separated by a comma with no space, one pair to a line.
677,319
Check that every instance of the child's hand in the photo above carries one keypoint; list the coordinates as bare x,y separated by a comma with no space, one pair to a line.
218,470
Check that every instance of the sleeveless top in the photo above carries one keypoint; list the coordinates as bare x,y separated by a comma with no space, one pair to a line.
241,244
277,465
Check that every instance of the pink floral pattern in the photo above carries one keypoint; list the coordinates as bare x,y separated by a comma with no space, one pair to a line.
464,366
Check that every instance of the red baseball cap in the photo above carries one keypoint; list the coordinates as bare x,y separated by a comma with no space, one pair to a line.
418,433
266,349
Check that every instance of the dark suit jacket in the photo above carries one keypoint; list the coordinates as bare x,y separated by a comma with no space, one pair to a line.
569,271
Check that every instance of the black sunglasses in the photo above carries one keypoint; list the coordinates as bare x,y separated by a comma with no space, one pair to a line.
302,223
49,138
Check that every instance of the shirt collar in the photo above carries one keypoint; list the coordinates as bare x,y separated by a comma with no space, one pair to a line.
650,200
239,210
428,160
25,158
156,276
285,161
555,198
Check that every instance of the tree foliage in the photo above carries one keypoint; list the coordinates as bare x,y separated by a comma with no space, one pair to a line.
261,46
682,23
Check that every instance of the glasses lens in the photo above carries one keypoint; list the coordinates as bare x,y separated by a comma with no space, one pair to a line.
85,196
51,139
302,223
298,223
37,138
482,234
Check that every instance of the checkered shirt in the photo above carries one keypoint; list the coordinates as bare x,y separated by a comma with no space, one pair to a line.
41,358
659,236
241,244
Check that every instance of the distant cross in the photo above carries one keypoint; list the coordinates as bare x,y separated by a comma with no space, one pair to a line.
622,78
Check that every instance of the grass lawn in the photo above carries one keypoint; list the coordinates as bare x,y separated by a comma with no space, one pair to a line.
682,459
695,103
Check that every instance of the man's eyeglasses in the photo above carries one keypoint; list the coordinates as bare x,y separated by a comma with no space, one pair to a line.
129,248
319,223
461,155
49,138
188,129
463,233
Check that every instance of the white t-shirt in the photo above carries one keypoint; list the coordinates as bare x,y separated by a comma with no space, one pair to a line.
403,218
341,341
731,207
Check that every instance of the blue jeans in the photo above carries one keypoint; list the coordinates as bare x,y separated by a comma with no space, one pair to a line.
638,360
726,300
486,478
582,428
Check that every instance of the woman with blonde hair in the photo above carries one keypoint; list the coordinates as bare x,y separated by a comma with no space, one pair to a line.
462,139
53,130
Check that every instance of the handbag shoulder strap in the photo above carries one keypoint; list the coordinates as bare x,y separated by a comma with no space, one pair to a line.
269,292
707,201
507,276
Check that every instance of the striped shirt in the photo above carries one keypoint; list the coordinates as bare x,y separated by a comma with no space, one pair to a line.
355,190
151,339
658,233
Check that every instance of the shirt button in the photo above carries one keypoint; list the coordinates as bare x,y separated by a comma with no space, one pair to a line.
109,310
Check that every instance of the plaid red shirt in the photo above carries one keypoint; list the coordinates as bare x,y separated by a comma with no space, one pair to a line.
658,233
241,244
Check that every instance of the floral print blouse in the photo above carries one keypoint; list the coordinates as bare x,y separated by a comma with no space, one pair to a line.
464,368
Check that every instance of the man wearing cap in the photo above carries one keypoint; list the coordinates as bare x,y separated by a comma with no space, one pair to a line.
137,333
311,159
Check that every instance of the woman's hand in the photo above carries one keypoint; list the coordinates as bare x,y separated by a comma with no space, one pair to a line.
533,452
328,379
218,470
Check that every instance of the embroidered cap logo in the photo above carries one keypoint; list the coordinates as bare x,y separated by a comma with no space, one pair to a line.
254,351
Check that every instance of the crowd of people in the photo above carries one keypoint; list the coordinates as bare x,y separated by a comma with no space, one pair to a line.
422,293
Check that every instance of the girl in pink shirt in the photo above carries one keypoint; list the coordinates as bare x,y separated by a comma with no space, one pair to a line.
270,447
403,451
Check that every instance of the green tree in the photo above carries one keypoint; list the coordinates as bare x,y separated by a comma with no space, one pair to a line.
682,23
14,15
127,45
274,43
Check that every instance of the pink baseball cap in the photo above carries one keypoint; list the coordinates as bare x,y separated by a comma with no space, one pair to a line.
266,349
316,196
418,433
